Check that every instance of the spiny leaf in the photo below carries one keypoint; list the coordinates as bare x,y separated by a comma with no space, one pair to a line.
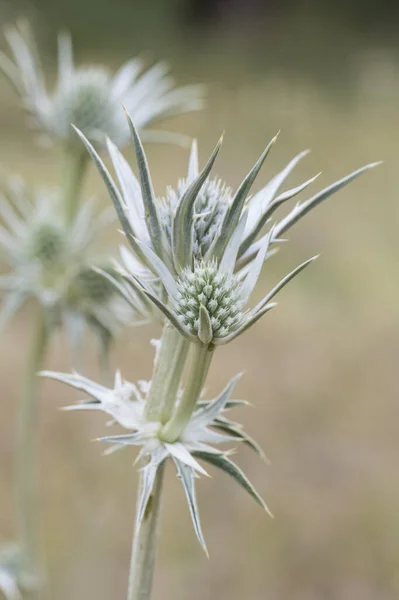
183,221
225,464
187,478
302,209
233,214
150,203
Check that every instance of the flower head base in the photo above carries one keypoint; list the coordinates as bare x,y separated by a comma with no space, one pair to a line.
217,292
207,426
90,97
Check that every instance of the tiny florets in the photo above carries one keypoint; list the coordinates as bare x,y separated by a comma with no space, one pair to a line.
47,243
218,292
209,208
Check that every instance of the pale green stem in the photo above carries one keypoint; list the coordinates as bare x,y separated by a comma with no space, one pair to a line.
160,401
167,374
76,162
200,360
144,545
25,452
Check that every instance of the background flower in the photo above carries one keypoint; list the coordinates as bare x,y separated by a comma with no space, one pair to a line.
91,97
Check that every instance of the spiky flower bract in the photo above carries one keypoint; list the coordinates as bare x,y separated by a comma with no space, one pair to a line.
91,97
208,426
205,228
52,261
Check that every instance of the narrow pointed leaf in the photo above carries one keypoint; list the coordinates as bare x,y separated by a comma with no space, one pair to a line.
149,199
206,414
247,324
228,262
226,465
131,192
97,391
233,214
302,209
238,432
283,283
193,165
187,479
149,473
128,439
255,269
180,452
271,208
113,192
184,217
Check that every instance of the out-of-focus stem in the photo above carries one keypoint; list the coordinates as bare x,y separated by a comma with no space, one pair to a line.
26,450
75,165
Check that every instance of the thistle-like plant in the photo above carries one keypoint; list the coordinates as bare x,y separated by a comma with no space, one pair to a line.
196,255
90,97
53,262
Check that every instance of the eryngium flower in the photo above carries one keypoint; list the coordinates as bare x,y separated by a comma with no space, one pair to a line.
91,97
206,244
207,426
51,261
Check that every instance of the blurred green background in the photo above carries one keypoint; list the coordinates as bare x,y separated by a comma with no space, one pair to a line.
321,370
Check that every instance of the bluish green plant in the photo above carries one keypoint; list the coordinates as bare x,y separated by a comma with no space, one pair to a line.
196,255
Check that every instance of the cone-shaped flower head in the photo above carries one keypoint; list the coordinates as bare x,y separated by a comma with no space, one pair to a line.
91,97
206,244
52,261
207,426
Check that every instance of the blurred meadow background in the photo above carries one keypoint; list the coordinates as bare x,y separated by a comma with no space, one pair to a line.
320,370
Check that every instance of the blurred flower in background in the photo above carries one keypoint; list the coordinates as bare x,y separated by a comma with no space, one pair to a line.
91,97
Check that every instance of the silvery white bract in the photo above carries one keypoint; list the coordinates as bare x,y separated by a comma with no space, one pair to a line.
207,426
206,244
51,261
91,97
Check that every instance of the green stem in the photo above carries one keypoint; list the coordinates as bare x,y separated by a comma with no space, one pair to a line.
167,374
25,454
144,545
201,356
76,162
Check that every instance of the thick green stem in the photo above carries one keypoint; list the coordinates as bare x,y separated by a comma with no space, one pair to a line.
25,452
144,545
167,374
76,162
200,358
